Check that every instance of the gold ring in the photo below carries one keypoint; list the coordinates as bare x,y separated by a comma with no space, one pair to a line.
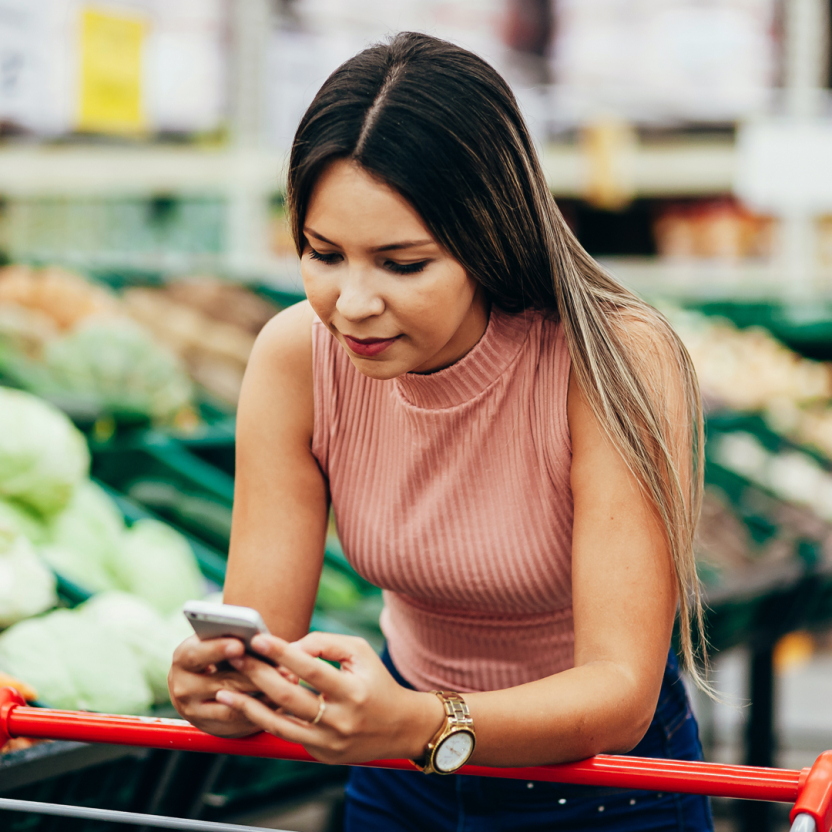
321,709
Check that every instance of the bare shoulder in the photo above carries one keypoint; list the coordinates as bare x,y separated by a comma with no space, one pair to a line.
650,341
278,378
657,359
287,338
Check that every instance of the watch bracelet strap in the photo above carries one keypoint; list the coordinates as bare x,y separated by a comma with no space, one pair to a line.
455,708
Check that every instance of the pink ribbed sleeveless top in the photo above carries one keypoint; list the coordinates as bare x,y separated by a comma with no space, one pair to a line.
451,492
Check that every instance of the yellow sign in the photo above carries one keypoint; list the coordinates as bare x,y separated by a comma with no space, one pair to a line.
112,46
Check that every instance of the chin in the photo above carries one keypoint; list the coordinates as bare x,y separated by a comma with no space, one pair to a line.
381,370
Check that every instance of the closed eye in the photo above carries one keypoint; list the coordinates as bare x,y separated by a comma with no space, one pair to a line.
406,268
390,265
328,259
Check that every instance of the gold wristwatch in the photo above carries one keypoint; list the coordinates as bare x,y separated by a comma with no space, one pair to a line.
453,744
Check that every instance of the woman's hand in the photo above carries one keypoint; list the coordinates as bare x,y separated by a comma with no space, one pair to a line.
367,715
196,675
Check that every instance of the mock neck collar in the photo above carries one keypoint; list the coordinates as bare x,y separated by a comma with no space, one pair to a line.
474,372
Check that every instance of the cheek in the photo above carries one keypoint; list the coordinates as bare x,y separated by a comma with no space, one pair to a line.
321,294
446,296
446,306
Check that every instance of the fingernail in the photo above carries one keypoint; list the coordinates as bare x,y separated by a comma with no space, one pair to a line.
236,663
260,644
224,697
232,649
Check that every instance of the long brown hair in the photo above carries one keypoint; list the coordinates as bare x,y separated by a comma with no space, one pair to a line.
440,126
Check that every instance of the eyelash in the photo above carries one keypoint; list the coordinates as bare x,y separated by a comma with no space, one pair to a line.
396,268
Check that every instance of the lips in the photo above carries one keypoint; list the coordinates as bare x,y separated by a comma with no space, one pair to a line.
367,347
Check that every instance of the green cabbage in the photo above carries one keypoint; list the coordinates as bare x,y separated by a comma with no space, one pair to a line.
75,663
27,586
43,456
140,626
20,520
157,563
84,539
116,365
87,573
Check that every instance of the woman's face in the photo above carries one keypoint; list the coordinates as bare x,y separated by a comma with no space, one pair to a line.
391,295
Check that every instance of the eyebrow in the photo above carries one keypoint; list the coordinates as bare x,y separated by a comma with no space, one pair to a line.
390,247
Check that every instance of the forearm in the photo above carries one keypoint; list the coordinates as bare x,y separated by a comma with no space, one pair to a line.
275,556
593,709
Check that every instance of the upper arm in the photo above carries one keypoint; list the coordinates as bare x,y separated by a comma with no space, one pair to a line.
280,500
624,582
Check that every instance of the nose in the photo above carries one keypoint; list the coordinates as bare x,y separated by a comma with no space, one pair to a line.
358,298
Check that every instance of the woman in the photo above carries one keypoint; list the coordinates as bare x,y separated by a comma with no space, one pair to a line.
510,441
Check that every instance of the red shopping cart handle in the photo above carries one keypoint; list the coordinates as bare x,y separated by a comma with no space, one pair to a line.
809,789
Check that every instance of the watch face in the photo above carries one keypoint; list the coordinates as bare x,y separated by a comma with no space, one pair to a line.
453,751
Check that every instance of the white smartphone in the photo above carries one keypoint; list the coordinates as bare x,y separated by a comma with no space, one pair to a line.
212,620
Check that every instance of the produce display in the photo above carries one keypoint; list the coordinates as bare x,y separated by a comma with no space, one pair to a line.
211,324
110,654
135,354
72,343
27,585
43,457
113,652
83,542
768,499
75,663
791,475
749,371
751,521
116,366
56,298
156,563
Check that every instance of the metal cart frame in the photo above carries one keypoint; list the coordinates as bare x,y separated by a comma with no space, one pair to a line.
810,790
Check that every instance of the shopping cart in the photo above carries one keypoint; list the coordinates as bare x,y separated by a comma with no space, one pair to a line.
810,790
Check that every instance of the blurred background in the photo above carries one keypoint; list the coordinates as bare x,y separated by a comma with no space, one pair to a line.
144,243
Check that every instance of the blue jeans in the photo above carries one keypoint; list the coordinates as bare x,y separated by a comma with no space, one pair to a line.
380,800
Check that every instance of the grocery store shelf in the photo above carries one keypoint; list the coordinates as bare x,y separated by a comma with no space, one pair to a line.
100,170
683,166
708,279
677,167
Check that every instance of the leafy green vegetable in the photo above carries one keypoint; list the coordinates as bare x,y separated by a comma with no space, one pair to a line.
157,563
85,538
116,365
15,517
43,456
75,663
87,572
140,626
27,586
